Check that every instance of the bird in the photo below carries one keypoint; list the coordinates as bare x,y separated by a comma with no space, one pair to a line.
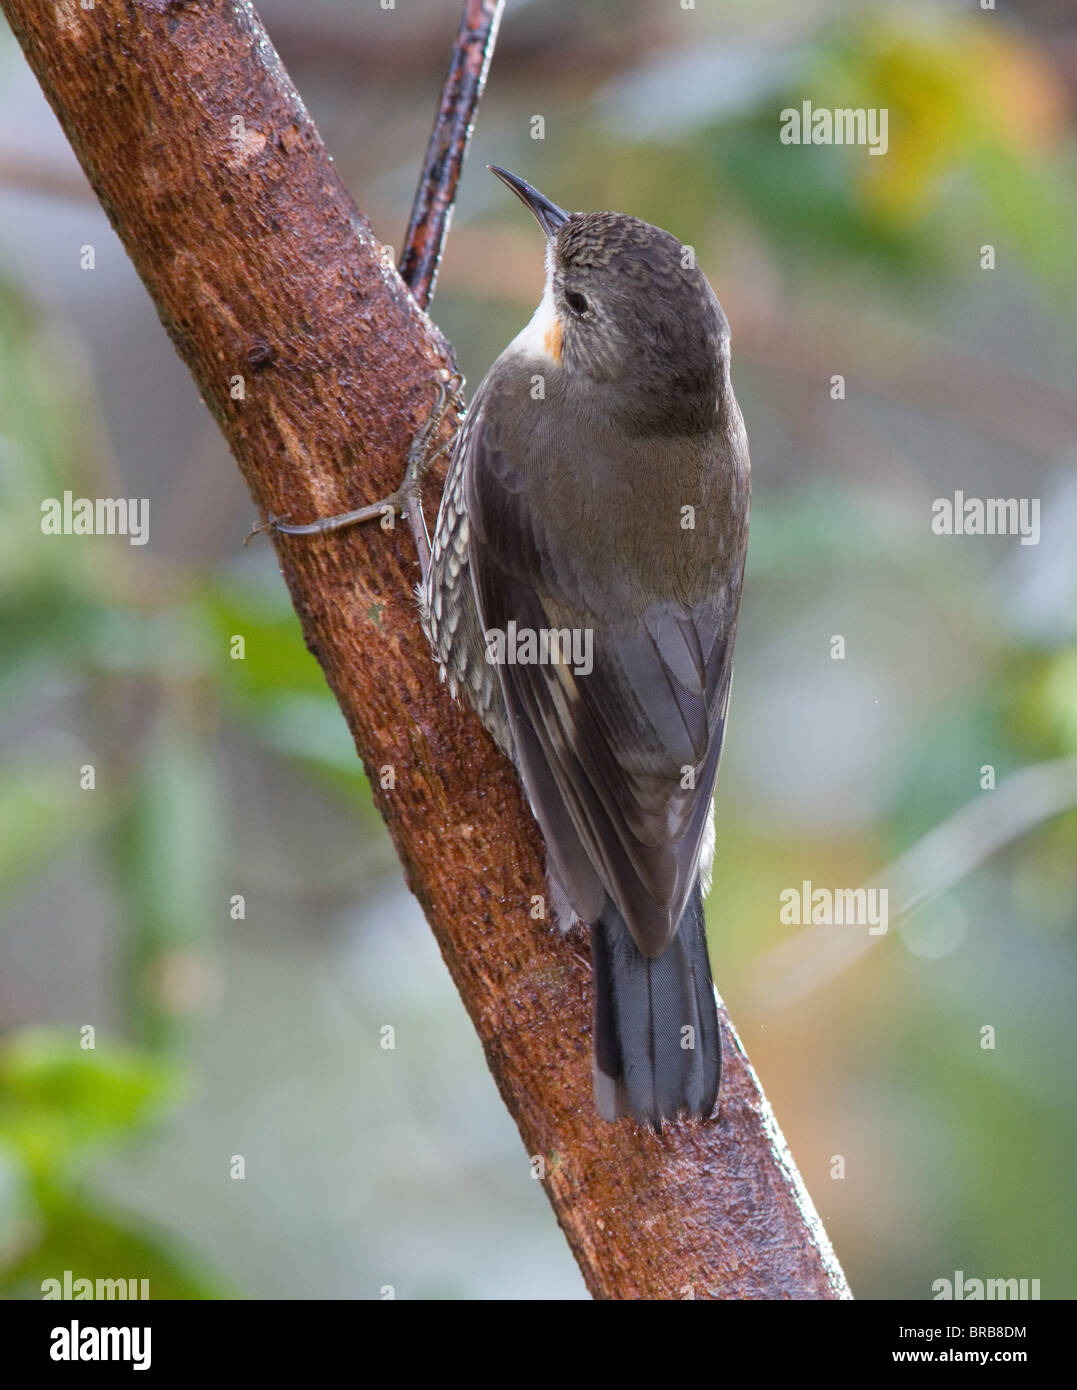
582,592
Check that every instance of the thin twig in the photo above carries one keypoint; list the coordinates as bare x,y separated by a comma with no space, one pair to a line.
432,210
935,864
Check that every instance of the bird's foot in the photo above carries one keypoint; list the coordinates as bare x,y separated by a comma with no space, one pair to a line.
406,500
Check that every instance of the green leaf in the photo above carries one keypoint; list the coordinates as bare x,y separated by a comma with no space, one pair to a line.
165,852
43,812
92,1243
275,659
57,1098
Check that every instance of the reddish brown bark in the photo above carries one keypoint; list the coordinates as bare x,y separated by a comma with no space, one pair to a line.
447,149
261,267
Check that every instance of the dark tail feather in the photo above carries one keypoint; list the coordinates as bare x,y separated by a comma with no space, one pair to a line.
647,1064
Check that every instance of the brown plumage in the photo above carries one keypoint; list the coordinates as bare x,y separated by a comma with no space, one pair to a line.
601,485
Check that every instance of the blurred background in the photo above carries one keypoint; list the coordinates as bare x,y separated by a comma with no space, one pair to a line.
217,1036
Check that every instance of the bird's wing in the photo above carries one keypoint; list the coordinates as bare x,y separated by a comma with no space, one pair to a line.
619,762
450,618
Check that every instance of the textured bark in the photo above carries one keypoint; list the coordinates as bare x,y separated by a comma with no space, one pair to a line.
261,267
436,194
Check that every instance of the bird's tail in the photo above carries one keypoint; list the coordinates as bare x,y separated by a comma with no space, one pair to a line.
658,1050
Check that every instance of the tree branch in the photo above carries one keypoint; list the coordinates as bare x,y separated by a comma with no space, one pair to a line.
436,193
263,270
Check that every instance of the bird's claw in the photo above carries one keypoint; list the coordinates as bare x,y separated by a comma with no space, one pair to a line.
404,500
268,524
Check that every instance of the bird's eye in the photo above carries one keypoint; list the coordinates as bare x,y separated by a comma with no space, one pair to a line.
577,302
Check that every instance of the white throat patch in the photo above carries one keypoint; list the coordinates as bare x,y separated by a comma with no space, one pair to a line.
541,337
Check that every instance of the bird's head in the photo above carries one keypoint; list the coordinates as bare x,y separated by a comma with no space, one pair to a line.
626,305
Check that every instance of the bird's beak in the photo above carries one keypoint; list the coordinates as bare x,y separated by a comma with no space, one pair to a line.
548,215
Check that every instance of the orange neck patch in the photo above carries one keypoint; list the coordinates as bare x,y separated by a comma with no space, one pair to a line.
552,340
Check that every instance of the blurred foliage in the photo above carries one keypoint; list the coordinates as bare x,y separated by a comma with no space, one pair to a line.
278,691
60,1103
77,626
141,678
978,136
